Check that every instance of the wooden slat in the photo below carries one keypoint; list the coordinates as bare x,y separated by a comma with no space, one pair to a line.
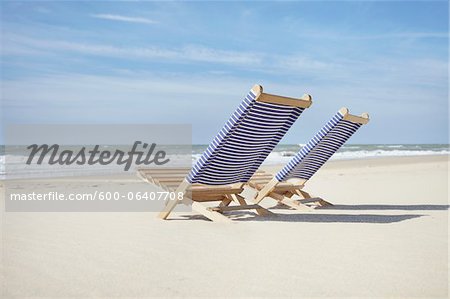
260,181
281,189
303,102
169,180
255,185
257,174
166,175
266,190
262,174
155,171
295,204
363,119
225,202
235,208
216,189
207,198
170,185
197,194
239,199
260,177
212,215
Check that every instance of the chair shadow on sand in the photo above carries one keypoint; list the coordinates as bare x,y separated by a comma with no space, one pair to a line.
334,218
317,217
422,207
313,217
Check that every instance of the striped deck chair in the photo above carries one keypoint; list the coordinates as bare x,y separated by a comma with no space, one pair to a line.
290,180
253,130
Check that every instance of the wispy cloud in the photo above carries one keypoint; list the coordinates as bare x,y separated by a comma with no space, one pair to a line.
388,35
382,70
402,35
121,18
188,53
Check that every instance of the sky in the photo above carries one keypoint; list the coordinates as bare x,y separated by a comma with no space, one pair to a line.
193,62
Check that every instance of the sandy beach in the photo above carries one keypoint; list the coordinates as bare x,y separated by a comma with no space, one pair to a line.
385,236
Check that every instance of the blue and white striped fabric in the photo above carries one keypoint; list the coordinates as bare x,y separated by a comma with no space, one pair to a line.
319,149
245,141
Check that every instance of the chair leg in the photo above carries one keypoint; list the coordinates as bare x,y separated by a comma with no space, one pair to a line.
171,204
295,204
269,187
303,194
211,215
260,210
289,194
264,212
225,203
323,202
307,198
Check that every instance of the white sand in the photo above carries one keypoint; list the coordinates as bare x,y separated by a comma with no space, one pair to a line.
387,236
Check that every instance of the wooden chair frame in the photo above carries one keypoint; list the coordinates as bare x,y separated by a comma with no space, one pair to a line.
267,185
174,180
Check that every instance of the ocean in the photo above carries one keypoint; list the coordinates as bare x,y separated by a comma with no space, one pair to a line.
281,155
